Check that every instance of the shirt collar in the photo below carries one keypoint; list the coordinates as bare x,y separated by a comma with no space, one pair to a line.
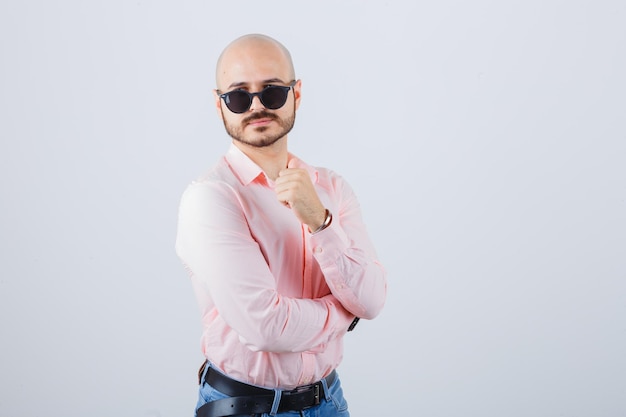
247,171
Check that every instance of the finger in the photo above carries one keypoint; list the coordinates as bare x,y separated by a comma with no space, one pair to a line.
291,169
285,173
283,198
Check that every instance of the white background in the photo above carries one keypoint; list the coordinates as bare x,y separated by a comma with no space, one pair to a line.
485,139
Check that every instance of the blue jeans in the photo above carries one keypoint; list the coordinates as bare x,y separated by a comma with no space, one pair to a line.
332,405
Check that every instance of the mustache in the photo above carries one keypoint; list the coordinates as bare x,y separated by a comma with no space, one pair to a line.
263,114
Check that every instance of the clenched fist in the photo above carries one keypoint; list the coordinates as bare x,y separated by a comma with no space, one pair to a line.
295,189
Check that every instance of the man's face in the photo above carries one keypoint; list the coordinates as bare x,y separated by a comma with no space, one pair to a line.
253,68
260,127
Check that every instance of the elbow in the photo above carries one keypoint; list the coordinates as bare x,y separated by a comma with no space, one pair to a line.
366,298
378,294
370,310
370,303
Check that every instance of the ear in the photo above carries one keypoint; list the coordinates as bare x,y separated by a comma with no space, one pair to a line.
297,92
218,103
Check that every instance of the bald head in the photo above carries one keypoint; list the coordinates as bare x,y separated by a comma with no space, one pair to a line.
253,57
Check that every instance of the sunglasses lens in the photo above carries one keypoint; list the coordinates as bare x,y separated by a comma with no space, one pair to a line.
274,97
238,101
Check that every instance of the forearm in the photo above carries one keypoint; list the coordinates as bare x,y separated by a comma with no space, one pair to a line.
353,273
295,325
348,259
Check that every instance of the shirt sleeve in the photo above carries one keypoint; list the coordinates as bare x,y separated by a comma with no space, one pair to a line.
218,250
348,259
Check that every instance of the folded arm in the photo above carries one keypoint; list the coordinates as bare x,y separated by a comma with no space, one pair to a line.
216,246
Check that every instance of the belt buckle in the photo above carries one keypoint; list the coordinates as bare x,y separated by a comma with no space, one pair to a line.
316,393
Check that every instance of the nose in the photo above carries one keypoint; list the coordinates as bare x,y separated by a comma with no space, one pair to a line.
256,104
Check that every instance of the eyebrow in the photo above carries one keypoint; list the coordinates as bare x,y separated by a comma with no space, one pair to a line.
268,81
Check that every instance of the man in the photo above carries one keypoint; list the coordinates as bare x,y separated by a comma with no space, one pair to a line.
278,255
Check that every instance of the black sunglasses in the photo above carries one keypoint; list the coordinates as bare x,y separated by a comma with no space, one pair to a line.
272,97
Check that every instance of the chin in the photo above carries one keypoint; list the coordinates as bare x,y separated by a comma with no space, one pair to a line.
261,142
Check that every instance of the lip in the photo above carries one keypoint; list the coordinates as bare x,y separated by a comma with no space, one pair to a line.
260,122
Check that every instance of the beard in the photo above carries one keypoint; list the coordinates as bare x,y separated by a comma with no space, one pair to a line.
260,138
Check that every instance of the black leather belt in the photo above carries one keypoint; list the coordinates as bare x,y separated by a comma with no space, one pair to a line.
248,399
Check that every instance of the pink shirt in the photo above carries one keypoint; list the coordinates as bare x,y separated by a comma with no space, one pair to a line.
275,300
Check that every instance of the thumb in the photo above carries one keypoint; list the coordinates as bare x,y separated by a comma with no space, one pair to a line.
291,163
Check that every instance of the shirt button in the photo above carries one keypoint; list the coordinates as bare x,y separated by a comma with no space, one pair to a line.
318,249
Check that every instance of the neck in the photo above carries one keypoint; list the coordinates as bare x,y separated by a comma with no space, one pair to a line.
271,159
